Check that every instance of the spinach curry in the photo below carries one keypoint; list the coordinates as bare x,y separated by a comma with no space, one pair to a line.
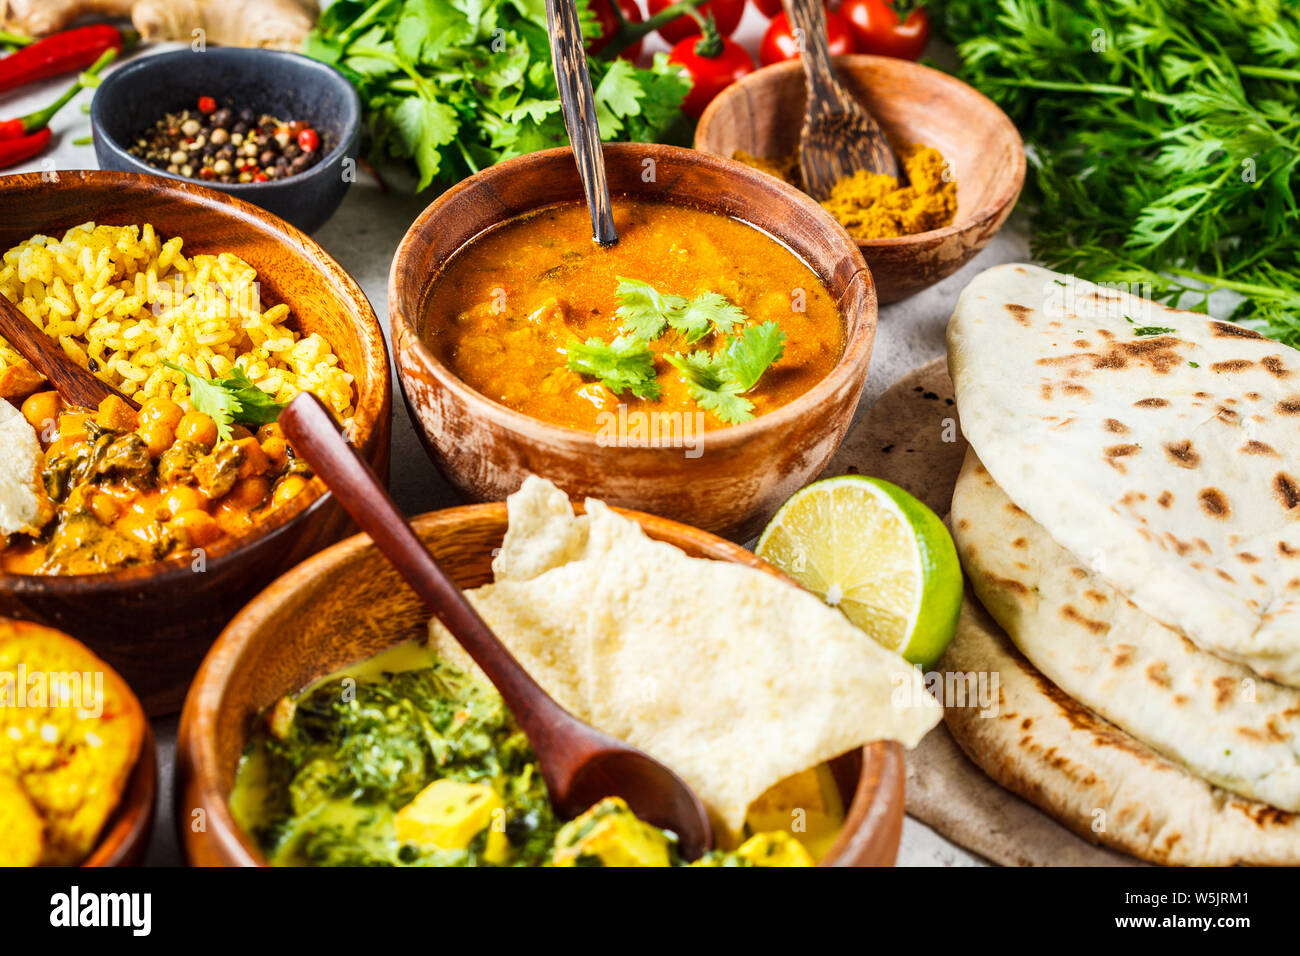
405,760
690,311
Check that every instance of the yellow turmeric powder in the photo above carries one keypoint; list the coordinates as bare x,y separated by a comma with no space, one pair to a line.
872,206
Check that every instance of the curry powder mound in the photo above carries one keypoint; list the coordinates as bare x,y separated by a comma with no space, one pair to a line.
872,206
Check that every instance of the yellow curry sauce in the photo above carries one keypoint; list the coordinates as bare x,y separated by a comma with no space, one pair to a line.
506,306
125,488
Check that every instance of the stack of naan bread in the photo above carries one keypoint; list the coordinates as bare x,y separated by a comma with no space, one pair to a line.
1129,517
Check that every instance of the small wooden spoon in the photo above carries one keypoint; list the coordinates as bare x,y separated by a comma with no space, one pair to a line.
569,60
580,764
839,136
77,386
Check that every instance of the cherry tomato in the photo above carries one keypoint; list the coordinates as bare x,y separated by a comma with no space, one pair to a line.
769,8
207,104
779,43
709,75
609,26
726,14
877,29
308,141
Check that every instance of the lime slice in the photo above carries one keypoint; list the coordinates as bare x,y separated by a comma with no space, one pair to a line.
870,549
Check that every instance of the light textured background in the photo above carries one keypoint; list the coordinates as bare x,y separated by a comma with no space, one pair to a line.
363,236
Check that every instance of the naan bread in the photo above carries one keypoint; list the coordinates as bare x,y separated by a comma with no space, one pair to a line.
21,495
732,677
1094,778
1166,462
1214,717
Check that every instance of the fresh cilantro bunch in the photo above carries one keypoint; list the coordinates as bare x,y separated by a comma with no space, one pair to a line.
718,380
229,400
1163,135
458,85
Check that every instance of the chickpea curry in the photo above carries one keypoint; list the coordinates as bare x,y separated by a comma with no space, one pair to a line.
123,488
690,311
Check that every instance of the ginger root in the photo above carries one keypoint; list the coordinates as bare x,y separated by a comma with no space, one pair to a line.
41,17
279,24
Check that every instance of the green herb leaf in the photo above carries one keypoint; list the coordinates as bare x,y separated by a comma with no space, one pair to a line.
645,311
230,400
712,387
706,313
751,353
1149,330
625,363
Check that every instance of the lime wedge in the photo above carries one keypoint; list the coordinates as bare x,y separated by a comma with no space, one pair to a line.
870,549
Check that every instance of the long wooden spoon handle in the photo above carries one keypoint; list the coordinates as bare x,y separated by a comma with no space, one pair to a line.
579,105
76,385
808,18
315,436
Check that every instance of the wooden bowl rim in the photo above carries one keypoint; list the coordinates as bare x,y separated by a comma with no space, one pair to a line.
993,115
859,289
370,416
873,802
125,838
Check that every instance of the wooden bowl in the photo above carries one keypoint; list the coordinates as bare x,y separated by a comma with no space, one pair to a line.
347,604
745,471
762,115
153,623
125,840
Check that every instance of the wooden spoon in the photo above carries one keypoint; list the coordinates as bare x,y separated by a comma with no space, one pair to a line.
839,136
77,386
569,60
580,764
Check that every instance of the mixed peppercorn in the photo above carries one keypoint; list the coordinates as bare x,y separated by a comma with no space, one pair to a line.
225,145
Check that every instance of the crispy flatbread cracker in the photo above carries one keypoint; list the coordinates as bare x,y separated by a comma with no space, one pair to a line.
732,677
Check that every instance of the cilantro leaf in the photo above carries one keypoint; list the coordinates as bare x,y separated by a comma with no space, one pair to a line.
1148,330
706,313
751,353
645,310
625,363
230,400
712,387
719,380
424,125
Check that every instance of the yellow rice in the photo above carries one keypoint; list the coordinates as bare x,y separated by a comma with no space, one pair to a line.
125,299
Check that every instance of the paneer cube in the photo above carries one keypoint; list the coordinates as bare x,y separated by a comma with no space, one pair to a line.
449,814
610,834
775,848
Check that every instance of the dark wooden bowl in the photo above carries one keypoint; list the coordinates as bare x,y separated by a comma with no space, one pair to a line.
745,471
347,604
125,840
153,623
914,104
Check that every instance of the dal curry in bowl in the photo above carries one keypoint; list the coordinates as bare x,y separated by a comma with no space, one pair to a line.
722,343
358,733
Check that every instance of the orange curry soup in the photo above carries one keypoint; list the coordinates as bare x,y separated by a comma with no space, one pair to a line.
505,306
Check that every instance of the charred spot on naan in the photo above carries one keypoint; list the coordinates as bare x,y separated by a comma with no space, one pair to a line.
1275,366
1116,426
1254,447
1151,403
1113,454
1226,330
1166,499
1020,313
1232,365
1072,614
1182,454
1288,406
1287,490
1215,503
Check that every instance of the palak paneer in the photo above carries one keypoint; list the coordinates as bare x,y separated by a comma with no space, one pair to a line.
690,311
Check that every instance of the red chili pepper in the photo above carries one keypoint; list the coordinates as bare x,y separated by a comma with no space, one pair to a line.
207,105
308,141
25,125
13,151
62,53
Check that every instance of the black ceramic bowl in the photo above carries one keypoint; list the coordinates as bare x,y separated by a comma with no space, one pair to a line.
290,87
